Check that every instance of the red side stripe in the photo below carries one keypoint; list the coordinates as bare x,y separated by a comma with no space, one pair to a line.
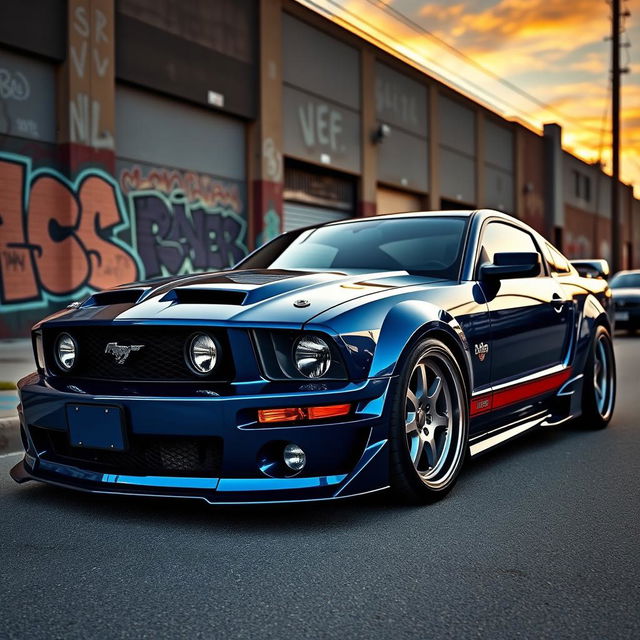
518,392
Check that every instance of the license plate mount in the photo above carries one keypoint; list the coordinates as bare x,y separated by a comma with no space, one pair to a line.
96,427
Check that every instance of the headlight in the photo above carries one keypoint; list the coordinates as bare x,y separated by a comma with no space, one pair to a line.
202,354
66,351
39,350
312,356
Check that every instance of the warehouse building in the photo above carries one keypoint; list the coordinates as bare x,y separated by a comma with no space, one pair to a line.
140,138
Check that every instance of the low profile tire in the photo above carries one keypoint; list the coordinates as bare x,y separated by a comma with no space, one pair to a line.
429,427
599,388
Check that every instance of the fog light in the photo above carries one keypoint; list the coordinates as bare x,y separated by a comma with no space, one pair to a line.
294,457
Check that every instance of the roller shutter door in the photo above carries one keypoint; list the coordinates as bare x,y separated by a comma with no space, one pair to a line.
301,215
395,201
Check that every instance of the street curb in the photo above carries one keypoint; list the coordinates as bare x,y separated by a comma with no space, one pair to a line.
10,435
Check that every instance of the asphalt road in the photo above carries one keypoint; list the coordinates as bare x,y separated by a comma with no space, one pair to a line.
540,539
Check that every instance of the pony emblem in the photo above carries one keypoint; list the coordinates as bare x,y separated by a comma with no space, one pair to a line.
121,351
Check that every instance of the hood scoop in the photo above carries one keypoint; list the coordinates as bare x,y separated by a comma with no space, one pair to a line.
204,296
104,298
260,277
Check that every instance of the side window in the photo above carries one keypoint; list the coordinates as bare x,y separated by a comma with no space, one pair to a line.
499,237
558,264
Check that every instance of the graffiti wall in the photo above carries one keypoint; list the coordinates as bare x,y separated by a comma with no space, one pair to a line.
62,238
183,221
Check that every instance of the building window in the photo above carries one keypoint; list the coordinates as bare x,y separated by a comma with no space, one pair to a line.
582,186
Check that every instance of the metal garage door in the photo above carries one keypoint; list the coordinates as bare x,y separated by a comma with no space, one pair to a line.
395,201
301,215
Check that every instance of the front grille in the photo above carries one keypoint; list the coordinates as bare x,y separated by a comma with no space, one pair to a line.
146,455
162,357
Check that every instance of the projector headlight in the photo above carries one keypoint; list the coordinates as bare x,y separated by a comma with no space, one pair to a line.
202,354
66,351
312,356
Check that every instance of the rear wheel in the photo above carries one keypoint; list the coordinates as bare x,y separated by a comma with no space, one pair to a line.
429,424
599,388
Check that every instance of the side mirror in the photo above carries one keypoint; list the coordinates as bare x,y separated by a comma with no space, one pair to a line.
512,264
592,268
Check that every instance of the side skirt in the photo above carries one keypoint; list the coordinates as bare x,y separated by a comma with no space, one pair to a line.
486,441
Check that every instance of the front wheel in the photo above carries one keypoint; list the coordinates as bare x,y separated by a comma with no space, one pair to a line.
429,424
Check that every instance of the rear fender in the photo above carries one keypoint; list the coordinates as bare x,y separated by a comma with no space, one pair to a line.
593,314
568,403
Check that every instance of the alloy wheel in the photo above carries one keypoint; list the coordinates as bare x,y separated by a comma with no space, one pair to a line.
433,421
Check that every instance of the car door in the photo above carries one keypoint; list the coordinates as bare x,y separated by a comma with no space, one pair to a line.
529,319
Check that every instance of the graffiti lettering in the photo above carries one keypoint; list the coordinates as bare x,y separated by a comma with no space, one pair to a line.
272,160
391,97
61,239
85,123
65,241
195,186
175,236
81,27
14,86
320,125
13,260
90,53
28,127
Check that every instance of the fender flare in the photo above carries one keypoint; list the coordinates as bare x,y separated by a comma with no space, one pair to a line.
405,324
592,314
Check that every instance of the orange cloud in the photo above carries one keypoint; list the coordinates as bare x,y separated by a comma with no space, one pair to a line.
519,20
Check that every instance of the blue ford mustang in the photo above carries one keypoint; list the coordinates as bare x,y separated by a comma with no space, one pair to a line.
334,361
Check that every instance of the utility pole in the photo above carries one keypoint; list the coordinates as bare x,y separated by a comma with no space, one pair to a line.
615,135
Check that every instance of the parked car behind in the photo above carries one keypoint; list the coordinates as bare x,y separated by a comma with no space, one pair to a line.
625,287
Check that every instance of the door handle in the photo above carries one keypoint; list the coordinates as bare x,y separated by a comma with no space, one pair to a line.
557,302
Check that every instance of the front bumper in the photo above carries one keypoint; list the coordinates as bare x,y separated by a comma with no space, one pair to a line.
631,319
345,458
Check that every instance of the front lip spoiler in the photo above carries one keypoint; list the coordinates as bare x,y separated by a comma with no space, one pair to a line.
195,487
20,474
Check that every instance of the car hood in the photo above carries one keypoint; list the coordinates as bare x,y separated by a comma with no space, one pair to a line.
239,296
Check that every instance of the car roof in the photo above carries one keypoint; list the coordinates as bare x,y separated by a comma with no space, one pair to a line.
458,213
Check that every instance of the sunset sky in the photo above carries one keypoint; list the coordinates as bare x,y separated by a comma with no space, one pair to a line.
553,50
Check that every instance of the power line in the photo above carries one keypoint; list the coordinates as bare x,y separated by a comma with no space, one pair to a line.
510,85
488,98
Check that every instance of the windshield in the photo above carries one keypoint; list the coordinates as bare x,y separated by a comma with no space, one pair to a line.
625,281
430,246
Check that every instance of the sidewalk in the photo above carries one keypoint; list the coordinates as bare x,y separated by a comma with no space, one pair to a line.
16,361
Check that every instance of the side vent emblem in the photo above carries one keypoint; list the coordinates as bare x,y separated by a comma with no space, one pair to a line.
481,350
